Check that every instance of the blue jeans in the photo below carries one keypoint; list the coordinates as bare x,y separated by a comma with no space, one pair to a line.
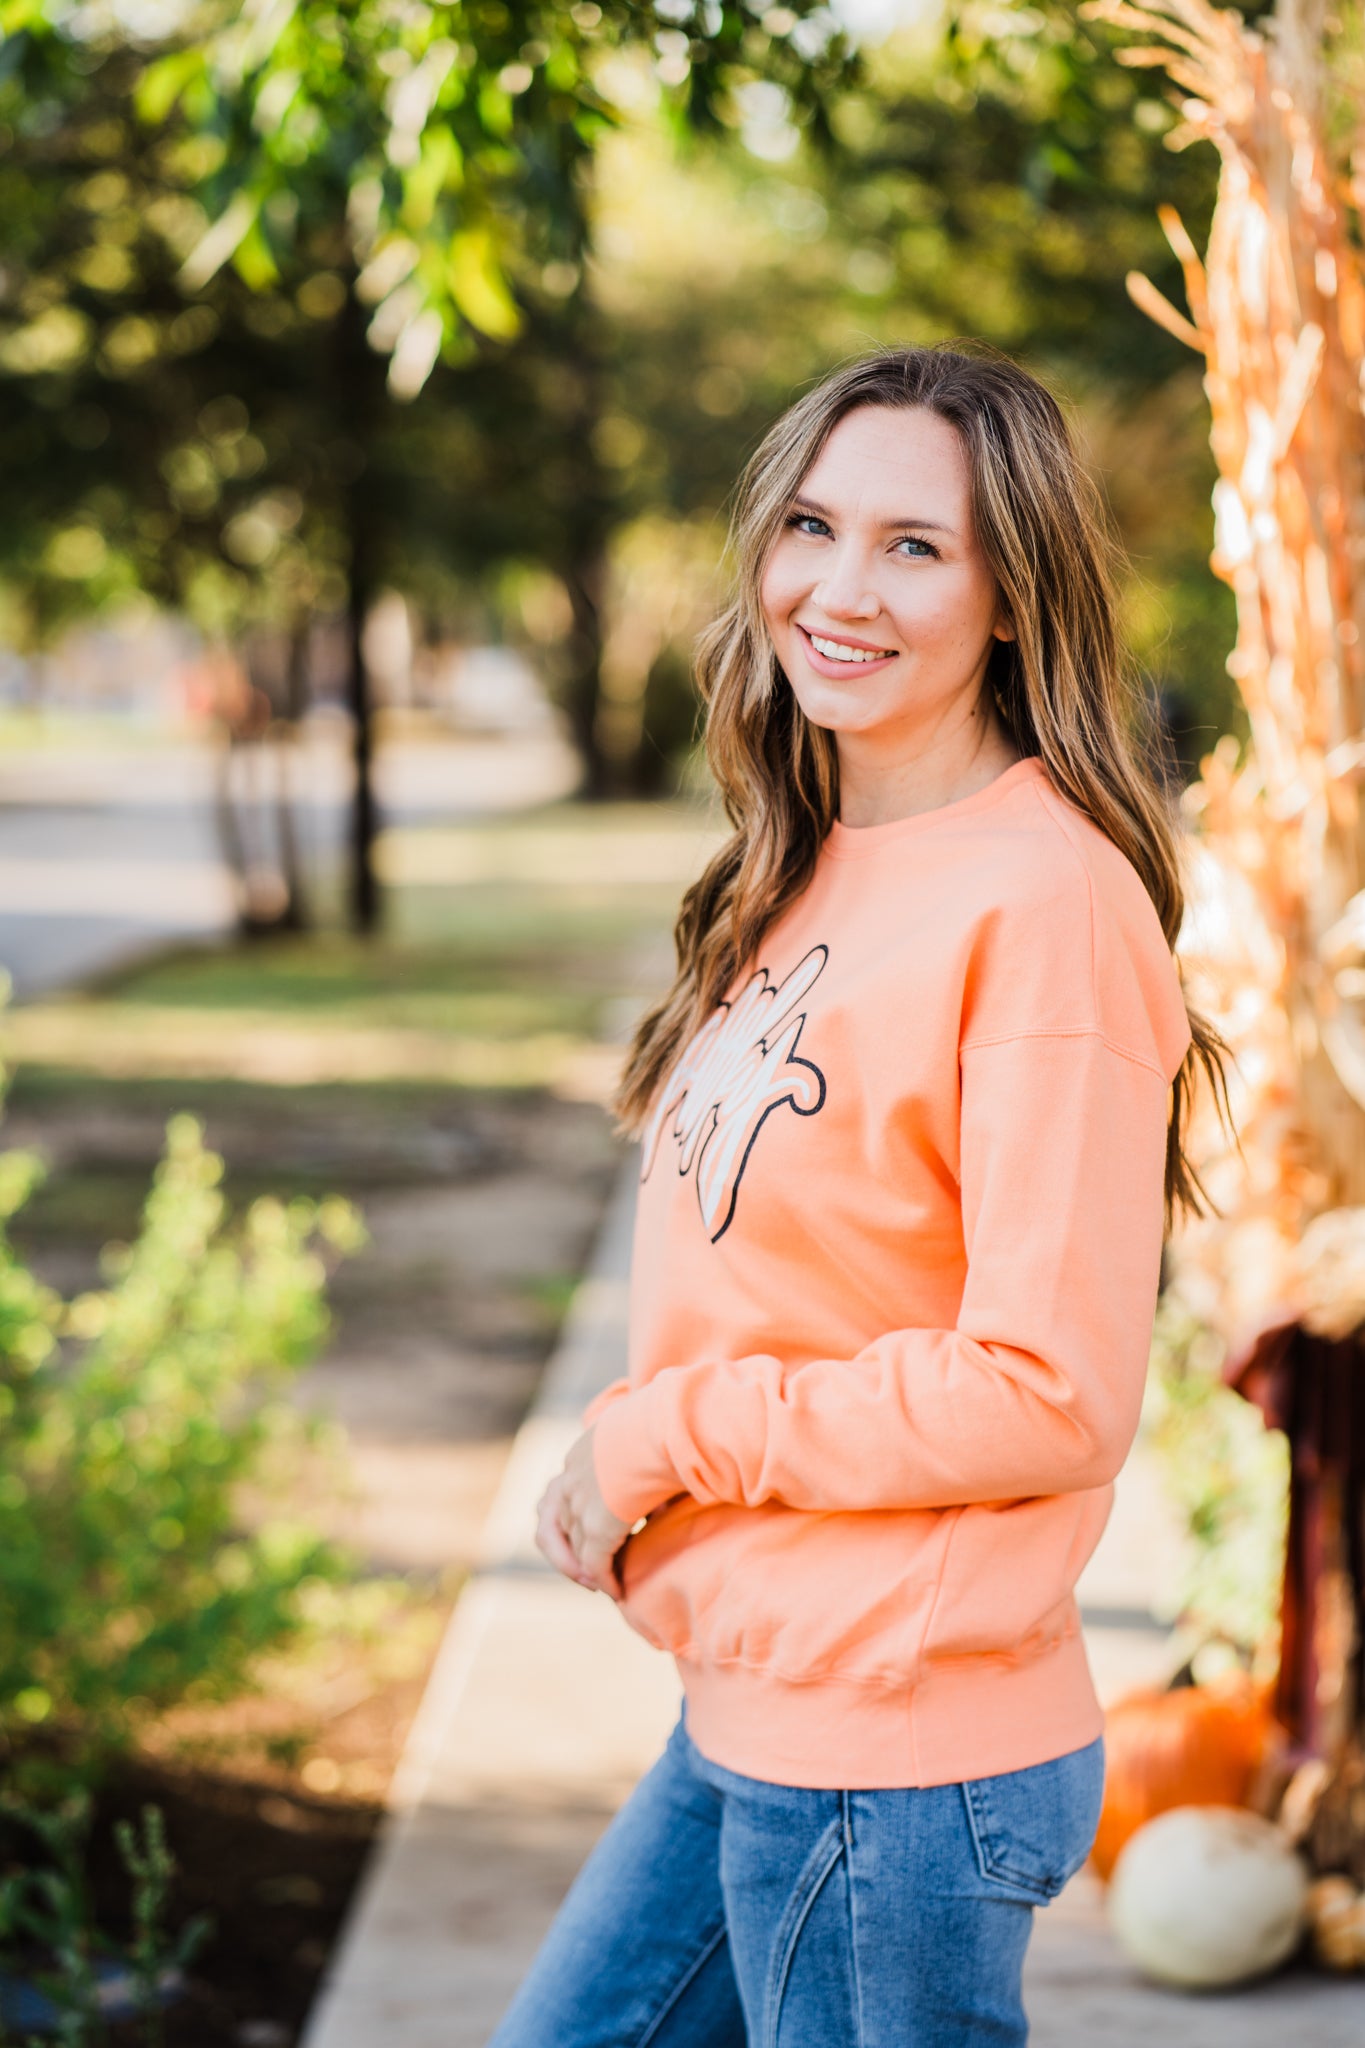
723,1912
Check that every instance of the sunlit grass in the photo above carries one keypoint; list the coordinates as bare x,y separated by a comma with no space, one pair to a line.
132,1040
513,952
572,847
62,728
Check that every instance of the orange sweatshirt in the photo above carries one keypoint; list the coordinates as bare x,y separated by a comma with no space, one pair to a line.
896,1260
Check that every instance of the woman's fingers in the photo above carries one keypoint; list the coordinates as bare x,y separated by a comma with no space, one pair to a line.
576,1530
553,1541
594,1531
599,1561
594,1537
593,1552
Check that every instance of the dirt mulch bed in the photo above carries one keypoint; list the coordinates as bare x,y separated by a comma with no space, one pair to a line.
275,1873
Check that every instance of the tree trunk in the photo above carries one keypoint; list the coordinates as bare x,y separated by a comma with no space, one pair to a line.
584,564
357,382
363,888
230,842
294,914
585,578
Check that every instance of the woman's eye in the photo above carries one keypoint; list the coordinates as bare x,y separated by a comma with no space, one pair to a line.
921,550
806,522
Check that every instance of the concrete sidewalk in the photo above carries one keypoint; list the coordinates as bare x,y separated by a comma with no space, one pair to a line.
543,1710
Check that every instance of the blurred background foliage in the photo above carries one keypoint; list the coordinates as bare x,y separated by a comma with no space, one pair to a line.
1227,1476
485,304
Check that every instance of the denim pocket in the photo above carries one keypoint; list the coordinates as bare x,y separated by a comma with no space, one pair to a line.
1033,1829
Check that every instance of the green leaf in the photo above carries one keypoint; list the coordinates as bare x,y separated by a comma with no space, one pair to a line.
162,83
219,243
440,168
478,286
495,109
252,259
18,15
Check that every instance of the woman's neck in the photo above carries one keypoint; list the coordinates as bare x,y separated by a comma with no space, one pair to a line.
877,785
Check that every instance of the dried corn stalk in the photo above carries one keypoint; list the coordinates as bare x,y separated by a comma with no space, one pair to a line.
1276,939
1274,946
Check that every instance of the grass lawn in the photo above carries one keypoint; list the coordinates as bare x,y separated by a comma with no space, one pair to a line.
513,954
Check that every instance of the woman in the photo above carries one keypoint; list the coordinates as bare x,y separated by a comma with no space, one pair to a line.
912,1119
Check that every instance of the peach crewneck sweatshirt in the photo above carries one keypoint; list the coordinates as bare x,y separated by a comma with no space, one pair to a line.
896,1260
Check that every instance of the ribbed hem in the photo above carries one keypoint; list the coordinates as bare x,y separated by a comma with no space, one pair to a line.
971,1718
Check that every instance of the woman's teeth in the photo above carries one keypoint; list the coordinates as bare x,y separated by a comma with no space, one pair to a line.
833,651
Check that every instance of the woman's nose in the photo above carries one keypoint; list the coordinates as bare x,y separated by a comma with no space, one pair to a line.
845,590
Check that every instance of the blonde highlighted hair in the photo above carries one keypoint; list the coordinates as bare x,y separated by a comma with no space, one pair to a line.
1063,690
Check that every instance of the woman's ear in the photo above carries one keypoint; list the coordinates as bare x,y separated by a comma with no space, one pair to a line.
1003,629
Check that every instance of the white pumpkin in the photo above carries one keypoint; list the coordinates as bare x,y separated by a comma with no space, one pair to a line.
1208,1895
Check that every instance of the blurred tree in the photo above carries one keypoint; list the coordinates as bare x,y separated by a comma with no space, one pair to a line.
168,448
331,210
413,163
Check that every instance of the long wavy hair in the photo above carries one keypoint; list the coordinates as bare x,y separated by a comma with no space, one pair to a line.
1063,689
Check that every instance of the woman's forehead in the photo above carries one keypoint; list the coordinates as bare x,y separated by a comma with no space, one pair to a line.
895,465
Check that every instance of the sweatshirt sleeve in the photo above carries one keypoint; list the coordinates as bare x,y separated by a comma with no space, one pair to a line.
603,1399
1037,1388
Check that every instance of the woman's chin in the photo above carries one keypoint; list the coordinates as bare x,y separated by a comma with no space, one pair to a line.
837,708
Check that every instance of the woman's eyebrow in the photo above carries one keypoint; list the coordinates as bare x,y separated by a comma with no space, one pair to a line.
802,504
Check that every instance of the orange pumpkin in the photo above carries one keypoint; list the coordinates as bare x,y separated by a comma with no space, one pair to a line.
1197,1745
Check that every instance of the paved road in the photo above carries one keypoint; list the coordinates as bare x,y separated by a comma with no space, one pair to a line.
108,854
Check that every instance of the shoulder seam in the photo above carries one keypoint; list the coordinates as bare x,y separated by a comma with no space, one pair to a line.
1137,1059
1047,796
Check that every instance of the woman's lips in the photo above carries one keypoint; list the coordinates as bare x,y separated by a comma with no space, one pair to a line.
829,665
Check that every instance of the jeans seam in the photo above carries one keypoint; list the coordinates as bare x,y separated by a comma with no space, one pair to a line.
656,2021
978,1820
805,1892
853,1970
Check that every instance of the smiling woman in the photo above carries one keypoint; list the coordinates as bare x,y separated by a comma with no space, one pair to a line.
912,1117
854,583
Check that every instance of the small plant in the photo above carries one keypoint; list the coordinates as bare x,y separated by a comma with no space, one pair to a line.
130,1419
156,1958
47,1913
49,1936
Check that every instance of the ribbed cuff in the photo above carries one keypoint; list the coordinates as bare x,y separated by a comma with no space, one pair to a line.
633,1470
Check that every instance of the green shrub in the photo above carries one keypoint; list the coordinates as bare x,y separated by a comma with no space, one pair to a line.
1228,1476
130,1418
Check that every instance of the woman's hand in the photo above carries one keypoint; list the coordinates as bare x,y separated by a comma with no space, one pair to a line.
576,1530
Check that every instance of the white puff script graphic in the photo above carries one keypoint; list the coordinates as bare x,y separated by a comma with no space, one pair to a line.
741,1065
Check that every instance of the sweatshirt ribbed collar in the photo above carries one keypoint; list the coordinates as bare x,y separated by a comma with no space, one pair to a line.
855,842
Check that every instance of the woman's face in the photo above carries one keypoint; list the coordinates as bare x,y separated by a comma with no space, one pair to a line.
878,599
